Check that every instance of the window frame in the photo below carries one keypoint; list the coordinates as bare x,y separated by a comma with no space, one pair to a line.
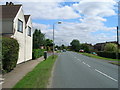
20,22
29,31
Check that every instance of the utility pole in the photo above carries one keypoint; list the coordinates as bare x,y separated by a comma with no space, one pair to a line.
117,53
53,39
54,35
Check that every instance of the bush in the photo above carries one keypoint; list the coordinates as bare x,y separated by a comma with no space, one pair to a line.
10,49
37,53
108,54
110,47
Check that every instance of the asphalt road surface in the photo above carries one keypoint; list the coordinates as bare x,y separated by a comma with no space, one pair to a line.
73,70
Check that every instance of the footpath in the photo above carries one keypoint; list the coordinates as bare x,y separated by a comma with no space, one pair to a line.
11,78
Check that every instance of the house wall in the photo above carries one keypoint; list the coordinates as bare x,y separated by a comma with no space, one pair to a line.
25,41
7,26
28,41
20,36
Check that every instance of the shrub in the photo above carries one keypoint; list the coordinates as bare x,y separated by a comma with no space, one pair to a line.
10,49
37,53
110,47
108,54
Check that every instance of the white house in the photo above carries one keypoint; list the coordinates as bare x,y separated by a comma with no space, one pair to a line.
19,26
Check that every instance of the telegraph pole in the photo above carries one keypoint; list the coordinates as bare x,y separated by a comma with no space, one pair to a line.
117,53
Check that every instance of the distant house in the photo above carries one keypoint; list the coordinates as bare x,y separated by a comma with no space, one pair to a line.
19,26
100,46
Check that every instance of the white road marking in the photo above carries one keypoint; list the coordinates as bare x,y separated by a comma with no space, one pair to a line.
78,59
106,75
83,62
88,65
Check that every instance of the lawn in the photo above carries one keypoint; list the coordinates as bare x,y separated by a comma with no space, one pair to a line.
39,76
98,57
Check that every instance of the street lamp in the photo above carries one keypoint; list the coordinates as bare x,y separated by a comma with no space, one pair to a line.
117,43
59,22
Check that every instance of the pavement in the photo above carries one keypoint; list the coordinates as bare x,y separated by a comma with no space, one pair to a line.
1,81
11,78
73,70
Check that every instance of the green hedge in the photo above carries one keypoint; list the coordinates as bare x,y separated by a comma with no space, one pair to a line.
108,54
10,49
37,53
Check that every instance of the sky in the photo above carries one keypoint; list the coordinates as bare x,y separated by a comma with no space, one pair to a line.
89,21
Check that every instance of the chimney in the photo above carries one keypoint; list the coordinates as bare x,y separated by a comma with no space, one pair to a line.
11,3
7,3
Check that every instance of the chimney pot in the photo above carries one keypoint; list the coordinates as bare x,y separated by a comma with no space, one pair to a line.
7,3
10,3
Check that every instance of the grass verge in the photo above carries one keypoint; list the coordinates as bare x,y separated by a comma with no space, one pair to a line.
115,63
39,76
58,51
98,57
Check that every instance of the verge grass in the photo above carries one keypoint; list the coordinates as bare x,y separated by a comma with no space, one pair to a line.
39,76
98,57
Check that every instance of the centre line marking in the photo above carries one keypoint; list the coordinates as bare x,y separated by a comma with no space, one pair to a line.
83,62
106,75
88,65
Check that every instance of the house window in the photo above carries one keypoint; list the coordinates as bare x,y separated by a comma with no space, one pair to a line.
29,31
20,26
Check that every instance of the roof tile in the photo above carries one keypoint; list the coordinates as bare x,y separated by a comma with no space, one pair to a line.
9,11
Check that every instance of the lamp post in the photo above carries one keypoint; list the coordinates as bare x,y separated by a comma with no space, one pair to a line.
117,44
54,35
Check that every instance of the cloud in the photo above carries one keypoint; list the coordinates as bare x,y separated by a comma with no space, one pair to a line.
90,13
66,32
40,26
95,8
47,10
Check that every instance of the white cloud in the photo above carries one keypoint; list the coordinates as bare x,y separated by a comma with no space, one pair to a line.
47,10
66,32
95,7
41,26
91,13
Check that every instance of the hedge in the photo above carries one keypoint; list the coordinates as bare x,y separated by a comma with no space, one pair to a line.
10,49
108,54
37,53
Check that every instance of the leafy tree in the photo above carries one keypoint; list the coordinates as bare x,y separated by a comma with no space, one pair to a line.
111,47
85,47
56,46
62,46
38,39
48,44
75,44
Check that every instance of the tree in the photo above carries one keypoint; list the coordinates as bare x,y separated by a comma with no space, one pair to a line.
75,44
48,44
111,47
62,46
85,47
38,39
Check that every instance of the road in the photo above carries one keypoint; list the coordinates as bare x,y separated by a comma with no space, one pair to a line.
73,70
